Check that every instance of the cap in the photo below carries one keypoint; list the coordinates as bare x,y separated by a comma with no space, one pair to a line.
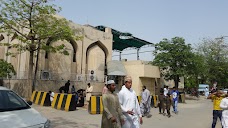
111,82
127,78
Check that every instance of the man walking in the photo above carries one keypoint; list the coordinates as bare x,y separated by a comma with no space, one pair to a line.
112,115
175,94
129,105
145,102
217,110
206,92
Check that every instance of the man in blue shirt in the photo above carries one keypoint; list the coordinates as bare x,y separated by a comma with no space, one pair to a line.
175,95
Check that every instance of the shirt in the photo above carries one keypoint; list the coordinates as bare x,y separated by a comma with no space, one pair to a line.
111,109
166,91
206,90
52,96
129,102
216,102
145,96
175,95
224,106
105,89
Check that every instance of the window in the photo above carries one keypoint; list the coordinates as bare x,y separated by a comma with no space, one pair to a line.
10,101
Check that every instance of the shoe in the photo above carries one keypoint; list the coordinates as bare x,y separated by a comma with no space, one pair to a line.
163,114
160,113
169,116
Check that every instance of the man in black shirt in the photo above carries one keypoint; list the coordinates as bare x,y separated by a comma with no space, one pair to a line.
67,85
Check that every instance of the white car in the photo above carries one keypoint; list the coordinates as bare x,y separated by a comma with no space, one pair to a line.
225,90
16,113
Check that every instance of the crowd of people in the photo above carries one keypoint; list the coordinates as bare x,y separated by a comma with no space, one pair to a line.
123,110
79,94
168,98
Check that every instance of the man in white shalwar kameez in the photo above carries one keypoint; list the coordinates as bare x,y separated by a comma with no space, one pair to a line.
224,106
89,91
206,92
145,102
129,105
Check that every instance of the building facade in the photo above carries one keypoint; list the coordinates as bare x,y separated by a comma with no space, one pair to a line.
85,63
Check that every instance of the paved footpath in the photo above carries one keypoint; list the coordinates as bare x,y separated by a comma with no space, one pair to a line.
193,114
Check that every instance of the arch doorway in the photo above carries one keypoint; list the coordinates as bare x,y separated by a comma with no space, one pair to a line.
96,56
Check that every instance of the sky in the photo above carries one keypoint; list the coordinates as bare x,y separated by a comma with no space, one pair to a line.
152,20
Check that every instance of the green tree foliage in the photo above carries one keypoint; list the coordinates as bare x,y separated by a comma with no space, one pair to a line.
215,52
190,82
34,23
6,69
197,70
173,57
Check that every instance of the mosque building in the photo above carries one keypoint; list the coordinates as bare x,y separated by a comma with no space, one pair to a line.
89,61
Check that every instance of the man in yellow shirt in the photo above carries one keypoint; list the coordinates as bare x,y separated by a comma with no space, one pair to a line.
217,111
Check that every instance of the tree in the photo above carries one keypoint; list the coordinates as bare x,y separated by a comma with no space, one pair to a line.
173,57
6,69
34,23
196,70
215,52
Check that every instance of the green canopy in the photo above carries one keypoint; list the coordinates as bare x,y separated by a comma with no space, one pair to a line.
122,40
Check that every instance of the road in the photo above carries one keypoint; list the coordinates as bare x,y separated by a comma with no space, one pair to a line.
193,114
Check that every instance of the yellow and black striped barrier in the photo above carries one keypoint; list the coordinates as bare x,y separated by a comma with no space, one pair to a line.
64,102
41,98
139,99
95,105
154,101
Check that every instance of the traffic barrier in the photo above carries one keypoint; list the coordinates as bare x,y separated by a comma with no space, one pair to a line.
139,99
64,102
154,101
95,105
41,98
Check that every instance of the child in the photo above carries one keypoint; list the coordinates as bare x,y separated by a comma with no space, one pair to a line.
161,102
168,103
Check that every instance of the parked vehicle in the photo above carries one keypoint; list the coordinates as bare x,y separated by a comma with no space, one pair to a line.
202,88
225,90
16,113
